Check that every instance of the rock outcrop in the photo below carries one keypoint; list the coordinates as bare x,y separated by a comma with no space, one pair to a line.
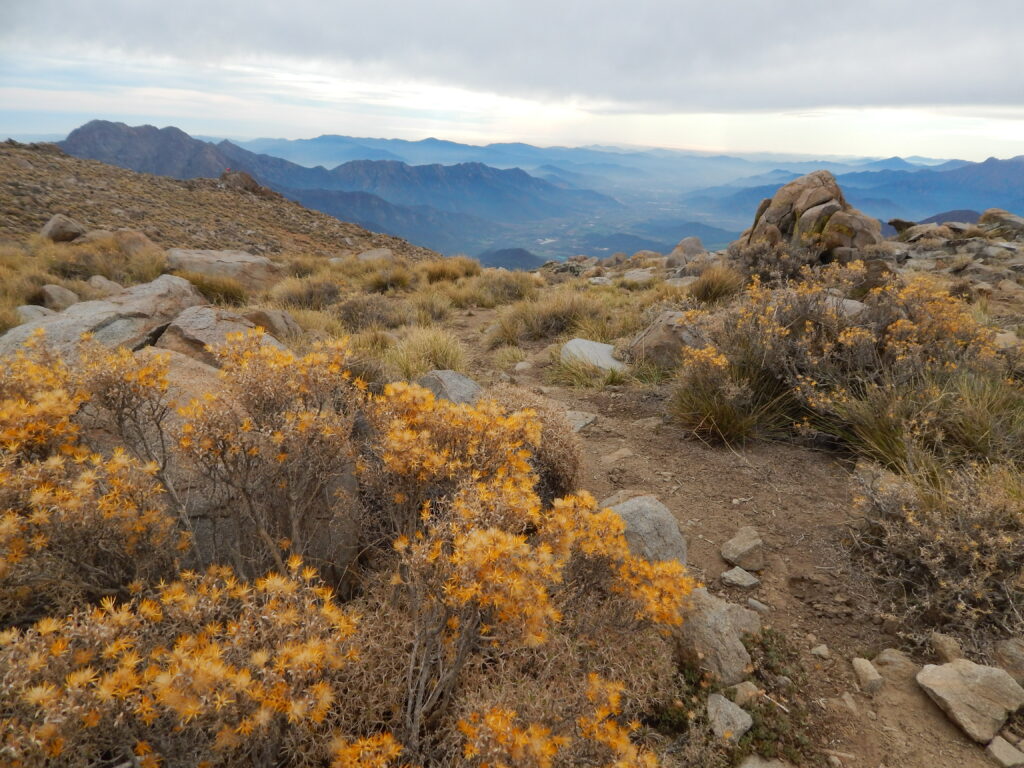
1000,223
813,208
132,319
662,342
62,229
977,698
197,329
253,273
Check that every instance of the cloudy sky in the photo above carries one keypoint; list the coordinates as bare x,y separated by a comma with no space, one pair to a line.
863,77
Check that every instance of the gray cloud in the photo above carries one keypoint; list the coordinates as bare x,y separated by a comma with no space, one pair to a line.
653,55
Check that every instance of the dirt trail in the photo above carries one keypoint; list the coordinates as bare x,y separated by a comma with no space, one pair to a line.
801,503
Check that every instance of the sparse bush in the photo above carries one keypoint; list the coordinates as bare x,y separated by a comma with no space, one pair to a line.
551,315
579,373
217,289
363,311
716,283
950,547
426,349
507,356
113,258
449,269
557,458
774,261
306,293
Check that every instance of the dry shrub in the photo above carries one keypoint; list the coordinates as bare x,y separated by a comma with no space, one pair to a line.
389,276
425,349
75,526
774,261
217,289
507,356
557,458
364,311
579,373
305,293
320,322
552,315
431,306
716,283
492,288
448,269
950,545
480,596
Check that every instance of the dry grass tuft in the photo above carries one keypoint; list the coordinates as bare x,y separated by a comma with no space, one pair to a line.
449,269
425,349
218,290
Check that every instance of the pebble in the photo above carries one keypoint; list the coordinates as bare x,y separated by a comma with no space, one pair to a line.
737,577
821,651
867,676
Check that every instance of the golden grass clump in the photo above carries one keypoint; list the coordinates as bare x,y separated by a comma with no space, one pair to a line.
492,288
425,349
361,311
389,276
217,289
716,283
448,269
306,292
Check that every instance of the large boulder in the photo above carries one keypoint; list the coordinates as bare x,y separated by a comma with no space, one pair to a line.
996,221
711,637
977,698
131,319
592,353
197,329
662,342
813,207
687,249
62,229
652,531
254,273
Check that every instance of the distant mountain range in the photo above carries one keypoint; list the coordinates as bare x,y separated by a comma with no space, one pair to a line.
550,202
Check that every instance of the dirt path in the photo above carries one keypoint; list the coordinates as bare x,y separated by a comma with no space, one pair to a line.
801,503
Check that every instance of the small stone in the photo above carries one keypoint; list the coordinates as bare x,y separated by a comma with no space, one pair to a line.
580,420
728,721
616,456
946,648
1004,753
821,651
591,353
522,365
850,703
62,229
894,664
757,605
737,577
745,692
649,424
374,254
870,680
745,549
57,297
834,762
451,385
600,281
105,287
652,531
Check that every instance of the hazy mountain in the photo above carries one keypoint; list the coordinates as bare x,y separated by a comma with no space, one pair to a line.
965,216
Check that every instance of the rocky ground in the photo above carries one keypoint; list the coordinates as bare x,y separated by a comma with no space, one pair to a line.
766,526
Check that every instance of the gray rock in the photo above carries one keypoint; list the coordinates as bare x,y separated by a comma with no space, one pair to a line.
30,312
868,678
729,722
600,281
105,287
580,420
681,282
591,353
57,297
687,248
710,637
757,605
254,273
821,651
849,308
197,329
62,229
279,323
651,529
1004,753
895,665
1009,654
737,577
745,549
131,319
451,385
639,276
977,698
662,342
375,253
615,457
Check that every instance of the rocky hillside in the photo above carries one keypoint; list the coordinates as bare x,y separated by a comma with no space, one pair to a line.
37,181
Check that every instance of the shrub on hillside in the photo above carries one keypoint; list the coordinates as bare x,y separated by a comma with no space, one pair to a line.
217,289
492,288
716,283
306,293
425,349
450,269
363,311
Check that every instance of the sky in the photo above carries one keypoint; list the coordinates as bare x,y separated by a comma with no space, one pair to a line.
859,78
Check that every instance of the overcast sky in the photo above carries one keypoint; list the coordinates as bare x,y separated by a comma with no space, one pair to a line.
874,77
